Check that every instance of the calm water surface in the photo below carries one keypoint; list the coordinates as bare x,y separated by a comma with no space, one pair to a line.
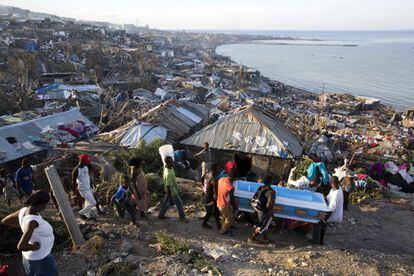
381,66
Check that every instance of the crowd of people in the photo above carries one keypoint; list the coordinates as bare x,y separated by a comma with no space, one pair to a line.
132,197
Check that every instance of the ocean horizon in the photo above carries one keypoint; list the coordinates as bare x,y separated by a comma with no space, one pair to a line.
381,65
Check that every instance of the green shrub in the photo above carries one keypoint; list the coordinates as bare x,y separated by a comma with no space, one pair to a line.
148,152
116,269
169,243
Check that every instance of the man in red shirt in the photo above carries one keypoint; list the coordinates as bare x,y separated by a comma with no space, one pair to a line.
225,202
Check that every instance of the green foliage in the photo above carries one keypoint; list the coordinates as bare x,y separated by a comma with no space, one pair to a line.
200,263
116,269
362,196
169,243
302,167
149,153
107,189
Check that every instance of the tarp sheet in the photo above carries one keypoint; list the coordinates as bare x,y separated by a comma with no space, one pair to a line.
145,132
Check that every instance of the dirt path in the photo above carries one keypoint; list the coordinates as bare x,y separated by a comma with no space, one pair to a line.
374,239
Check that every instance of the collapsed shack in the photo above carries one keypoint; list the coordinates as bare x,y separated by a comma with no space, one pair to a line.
179,118
252,131
36,138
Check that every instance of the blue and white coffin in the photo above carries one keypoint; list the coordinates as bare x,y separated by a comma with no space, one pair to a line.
290,203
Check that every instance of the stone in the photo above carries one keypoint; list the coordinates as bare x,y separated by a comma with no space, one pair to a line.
117,260
218,253
114,255
291,247
292,262
126,247
186,258
303,264
131,259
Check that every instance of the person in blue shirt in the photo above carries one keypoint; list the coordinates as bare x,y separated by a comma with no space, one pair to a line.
121,200
24,179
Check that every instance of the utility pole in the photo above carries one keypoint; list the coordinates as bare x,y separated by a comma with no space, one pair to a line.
323,88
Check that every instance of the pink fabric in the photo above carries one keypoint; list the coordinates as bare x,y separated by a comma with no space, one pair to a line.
361,176
403,167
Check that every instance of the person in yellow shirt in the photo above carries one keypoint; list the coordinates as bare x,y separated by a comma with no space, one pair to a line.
171,197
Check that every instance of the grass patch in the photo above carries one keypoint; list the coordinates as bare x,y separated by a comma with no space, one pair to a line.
169,243
116,269
362,196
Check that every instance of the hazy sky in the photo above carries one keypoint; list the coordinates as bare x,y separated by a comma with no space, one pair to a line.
237,14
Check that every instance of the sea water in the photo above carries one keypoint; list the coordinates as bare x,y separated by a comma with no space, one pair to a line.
380,66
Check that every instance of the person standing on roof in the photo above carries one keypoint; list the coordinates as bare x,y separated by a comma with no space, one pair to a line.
80,175
24,179
205,156
172,197
265,196
226,202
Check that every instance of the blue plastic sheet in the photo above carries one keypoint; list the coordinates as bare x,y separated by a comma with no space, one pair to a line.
322,169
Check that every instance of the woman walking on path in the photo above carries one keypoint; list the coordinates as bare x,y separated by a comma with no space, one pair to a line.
37,240
139,186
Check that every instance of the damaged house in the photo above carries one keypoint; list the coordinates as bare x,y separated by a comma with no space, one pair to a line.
36,137
179,118
253,132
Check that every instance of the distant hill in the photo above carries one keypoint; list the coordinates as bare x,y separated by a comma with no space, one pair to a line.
18,13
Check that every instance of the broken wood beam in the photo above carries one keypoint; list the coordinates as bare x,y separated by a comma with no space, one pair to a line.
64,206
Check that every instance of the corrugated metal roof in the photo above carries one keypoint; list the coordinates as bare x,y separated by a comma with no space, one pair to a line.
251,129
22,132
169,116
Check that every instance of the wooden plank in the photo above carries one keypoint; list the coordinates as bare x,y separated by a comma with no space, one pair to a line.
64,205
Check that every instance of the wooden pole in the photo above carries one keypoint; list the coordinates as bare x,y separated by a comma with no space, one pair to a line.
64,205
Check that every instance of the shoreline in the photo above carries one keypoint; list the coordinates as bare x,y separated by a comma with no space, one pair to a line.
298,90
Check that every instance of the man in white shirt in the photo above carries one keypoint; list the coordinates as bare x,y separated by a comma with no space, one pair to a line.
81,177
335,201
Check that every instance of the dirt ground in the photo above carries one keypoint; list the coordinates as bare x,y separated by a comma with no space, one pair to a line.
374,239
